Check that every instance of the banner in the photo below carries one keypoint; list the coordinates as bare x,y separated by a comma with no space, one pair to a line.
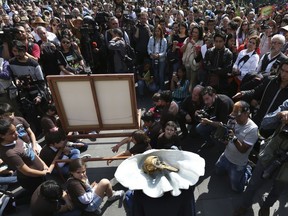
267,11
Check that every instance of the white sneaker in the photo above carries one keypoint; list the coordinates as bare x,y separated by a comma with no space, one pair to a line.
116,195
85,156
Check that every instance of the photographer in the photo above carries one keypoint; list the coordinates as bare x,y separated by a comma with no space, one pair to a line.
239,140
142,33
29,79
216,111
274,153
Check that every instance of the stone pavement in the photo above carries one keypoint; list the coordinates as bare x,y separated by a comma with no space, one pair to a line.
212,193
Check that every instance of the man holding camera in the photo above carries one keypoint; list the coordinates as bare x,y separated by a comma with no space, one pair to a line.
242,135
217,107
272,163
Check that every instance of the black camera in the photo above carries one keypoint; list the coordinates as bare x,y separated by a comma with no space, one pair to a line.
8,34
202,114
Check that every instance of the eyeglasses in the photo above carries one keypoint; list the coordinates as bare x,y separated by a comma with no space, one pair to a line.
276,42
65,42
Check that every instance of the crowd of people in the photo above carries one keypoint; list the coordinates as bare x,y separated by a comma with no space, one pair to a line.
216,69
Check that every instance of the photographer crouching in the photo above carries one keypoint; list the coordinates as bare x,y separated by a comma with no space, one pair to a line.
272,163
240,134
216,111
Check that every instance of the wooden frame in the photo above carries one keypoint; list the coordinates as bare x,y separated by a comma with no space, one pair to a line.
95,102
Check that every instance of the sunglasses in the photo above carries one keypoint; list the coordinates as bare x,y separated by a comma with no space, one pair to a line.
66,42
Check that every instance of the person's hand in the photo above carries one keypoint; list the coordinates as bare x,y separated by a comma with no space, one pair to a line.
35,149
108,162
115,148
66,151
205,121
254,103
37,100
283,116
175,79
188,118
238,95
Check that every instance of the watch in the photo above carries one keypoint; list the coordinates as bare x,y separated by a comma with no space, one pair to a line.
234,139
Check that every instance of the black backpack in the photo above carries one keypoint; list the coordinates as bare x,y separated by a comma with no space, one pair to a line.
130,57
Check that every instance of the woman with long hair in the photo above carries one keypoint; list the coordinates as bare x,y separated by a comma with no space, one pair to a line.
70,60
191,50
156,48
247,60
241,33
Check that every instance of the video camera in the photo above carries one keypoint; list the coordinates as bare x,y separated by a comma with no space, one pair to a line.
8,34
204,113
222,132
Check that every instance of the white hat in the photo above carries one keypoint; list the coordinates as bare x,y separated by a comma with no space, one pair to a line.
131,175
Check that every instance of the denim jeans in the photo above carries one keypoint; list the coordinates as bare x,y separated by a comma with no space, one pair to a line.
159,73
256,182
237,174
74,154
152,87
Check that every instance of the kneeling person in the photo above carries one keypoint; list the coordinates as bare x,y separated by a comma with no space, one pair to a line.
235,156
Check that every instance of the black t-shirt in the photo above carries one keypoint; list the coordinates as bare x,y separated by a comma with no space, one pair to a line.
164,143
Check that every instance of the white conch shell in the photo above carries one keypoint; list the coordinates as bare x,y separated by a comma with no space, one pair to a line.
130,174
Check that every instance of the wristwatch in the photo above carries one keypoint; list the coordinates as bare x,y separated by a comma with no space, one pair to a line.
234,139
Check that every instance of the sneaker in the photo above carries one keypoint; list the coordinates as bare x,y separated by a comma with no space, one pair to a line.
93,139
85,156
116,195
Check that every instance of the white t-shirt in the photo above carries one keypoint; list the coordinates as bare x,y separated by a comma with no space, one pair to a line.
248,134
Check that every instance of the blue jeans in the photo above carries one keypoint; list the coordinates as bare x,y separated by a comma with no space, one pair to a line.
237,174
74,154
256,182
159,73
152,87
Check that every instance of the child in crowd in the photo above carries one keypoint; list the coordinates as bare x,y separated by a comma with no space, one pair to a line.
169,138
179,85
141,141
19,156
22,126
145,79
49,199
156,109
85,196
55,141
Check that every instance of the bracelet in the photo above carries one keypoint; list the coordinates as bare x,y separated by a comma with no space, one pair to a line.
234,139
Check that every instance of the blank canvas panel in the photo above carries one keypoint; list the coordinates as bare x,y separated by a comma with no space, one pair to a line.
115,106
95,102
78,104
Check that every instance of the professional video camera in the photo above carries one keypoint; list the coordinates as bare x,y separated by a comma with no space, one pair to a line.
204,113
222,132
101,18
8,34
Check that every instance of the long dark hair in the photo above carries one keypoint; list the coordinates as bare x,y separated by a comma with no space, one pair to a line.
140,137
76,164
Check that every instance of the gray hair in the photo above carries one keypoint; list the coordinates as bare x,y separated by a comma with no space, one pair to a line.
40,28
279,37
